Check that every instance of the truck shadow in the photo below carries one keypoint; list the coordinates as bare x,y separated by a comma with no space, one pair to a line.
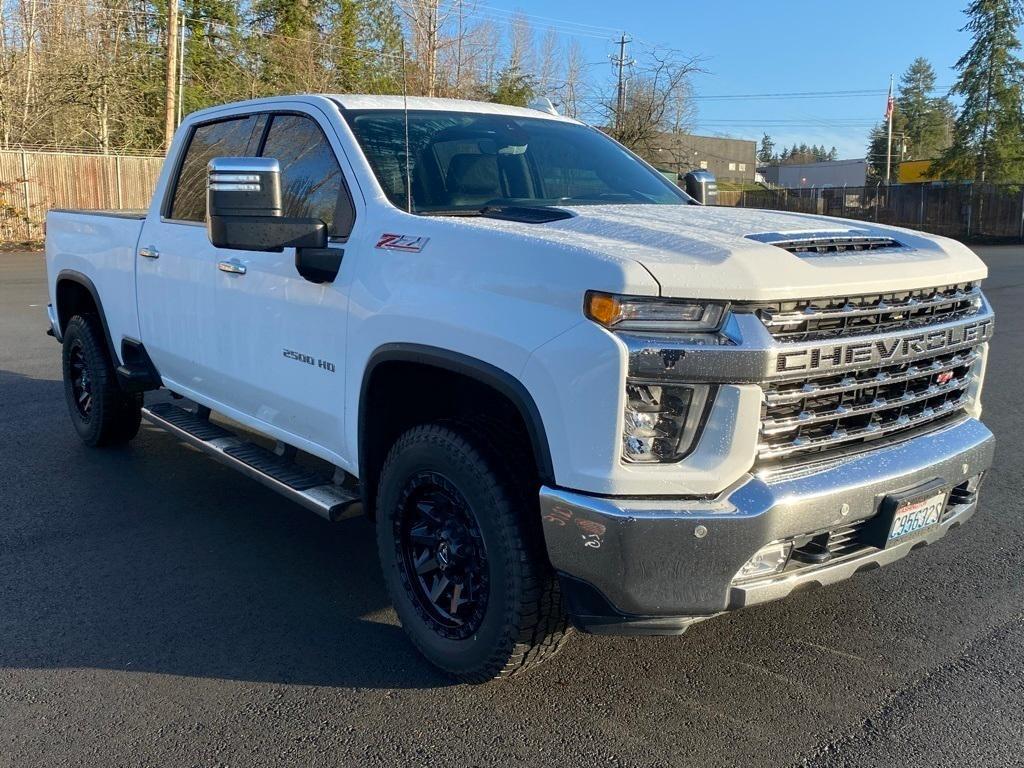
154,558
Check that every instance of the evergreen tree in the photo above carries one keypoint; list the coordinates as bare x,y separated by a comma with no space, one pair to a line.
365,46
215,73
514,87
290,56
878,146
988,137
766,152
926,121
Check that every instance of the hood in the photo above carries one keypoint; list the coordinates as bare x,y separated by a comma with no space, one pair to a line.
727,253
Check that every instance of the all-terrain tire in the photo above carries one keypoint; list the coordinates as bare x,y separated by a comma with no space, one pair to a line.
524,620
102,413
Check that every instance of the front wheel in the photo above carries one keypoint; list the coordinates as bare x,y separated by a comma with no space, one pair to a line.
462,557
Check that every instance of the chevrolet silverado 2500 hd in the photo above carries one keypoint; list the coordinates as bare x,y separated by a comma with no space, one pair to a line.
565,392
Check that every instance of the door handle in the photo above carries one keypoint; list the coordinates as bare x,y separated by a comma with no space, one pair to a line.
149,252
231,266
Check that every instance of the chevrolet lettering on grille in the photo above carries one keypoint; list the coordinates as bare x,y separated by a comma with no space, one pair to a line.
872,352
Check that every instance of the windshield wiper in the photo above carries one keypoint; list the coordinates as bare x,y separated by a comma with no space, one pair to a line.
526,214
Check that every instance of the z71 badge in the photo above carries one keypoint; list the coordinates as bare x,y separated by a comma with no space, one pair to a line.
410,243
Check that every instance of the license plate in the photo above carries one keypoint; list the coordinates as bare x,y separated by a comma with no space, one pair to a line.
915,515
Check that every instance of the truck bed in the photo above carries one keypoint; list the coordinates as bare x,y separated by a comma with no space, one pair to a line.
98,246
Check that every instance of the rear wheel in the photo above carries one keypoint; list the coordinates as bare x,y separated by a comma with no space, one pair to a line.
102,413
462,557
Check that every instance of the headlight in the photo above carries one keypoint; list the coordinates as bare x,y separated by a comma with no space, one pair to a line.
661,421
643,313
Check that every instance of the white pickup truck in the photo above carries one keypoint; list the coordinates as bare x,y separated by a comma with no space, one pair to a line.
566,393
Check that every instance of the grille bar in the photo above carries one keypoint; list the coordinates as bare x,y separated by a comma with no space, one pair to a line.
851,383
771,427
841,317
912,303
842,437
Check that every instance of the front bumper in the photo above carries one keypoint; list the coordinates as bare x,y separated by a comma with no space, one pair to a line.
657,565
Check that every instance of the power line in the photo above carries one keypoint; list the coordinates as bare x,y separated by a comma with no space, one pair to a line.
569,27
804,94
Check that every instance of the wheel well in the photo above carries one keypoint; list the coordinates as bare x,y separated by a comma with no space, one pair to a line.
76,295
400,394
73,298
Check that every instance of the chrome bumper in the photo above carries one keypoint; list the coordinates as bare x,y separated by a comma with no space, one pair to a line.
654,565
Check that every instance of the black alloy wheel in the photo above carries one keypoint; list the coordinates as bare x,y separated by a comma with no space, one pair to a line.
462,553
441,553
80,380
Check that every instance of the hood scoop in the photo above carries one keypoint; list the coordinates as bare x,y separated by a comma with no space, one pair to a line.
827,243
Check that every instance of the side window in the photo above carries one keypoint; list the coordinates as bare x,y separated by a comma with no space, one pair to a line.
311,179
227,138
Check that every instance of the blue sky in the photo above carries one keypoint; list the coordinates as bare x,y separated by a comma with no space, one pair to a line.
784,46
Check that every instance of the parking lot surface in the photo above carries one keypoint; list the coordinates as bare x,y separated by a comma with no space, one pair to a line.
158,609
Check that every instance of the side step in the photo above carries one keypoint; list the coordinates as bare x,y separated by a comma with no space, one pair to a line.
309,488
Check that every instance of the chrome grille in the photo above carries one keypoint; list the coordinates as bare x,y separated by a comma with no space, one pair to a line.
840,317
825,412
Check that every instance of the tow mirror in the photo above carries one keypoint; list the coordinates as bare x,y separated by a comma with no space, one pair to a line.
701,186
244,209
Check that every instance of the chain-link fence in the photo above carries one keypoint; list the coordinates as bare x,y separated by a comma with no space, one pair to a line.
968,211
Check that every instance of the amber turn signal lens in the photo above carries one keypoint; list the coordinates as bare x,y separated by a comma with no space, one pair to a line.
602,308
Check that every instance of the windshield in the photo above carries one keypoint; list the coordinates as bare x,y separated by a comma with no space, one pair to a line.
463,162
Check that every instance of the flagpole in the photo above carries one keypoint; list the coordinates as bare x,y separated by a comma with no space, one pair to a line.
888,151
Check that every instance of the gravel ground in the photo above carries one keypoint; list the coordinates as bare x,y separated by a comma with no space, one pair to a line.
159,609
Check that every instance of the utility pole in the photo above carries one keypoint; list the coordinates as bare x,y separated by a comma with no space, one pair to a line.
172,70
458,54
431,47
890,107
29,49
181,74
620,93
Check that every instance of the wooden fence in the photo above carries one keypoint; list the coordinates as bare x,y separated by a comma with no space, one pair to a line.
33,182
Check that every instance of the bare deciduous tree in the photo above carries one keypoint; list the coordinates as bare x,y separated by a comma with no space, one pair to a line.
658,100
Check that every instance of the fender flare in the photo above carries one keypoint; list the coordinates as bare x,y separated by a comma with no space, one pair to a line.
473,368
71,275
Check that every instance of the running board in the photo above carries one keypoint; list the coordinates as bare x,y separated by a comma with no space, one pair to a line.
302,485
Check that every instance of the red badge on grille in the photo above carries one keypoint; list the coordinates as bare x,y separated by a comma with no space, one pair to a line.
944,378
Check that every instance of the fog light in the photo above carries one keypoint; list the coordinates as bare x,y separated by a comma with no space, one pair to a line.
661,422
766,561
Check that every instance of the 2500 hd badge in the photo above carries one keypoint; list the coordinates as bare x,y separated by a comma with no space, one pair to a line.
326,365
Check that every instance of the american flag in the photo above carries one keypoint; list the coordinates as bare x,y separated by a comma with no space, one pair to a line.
889,104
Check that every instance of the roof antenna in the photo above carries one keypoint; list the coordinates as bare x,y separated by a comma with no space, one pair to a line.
405,110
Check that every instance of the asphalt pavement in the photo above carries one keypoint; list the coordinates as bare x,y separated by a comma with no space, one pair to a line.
159,609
